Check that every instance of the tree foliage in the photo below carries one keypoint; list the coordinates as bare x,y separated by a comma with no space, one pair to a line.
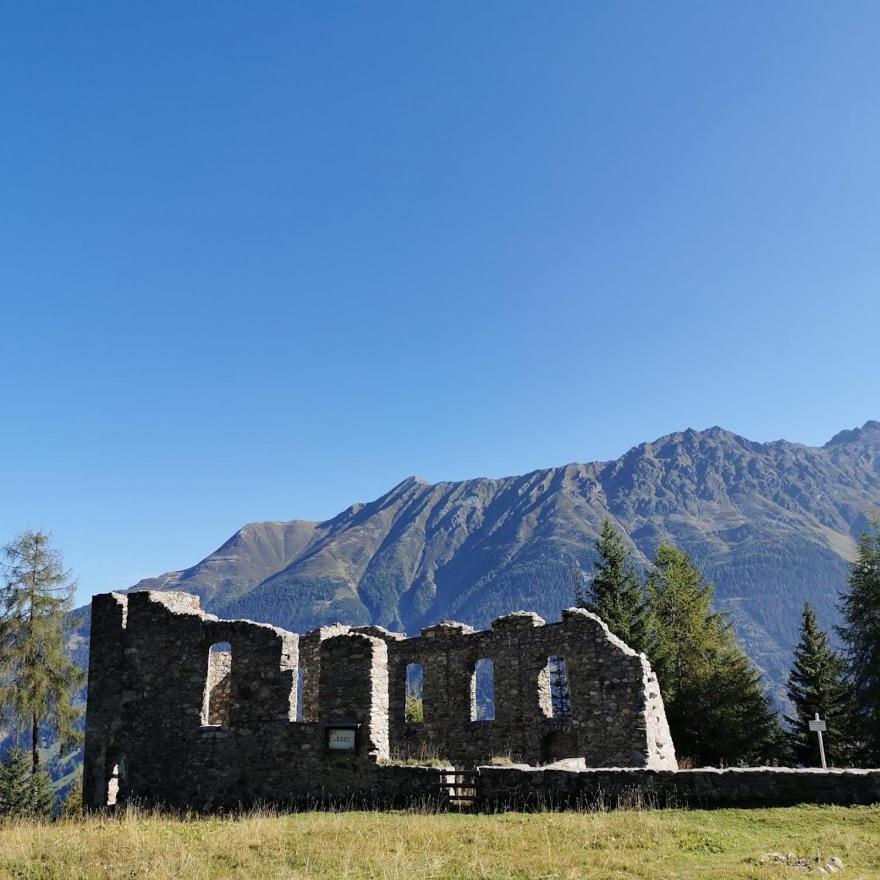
860,631
414,709
715,702
560,693
616,594
22,791
72,805
38,680
817,684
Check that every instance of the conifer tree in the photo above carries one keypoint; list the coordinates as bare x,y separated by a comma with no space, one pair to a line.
72,804
616,592
817,683
715,704
560,694
23,792
38,680
861,633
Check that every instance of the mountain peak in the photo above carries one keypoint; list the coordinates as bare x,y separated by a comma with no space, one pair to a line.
412,480
402,489
693,436
851,435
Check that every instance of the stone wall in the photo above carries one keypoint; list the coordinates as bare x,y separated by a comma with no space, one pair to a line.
149,668
354,688
525,788
616,712
310,663
104,707
170,721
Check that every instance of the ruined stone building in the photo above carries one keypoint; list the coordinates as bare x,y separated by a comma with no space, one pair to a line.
186,709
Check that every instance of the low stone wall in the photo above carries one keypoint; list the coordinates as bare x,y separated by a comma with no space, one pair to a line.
389,787
526,788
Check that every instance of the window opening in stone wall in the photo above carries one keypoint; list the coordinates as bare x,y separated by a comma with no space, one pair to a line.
113,785
560,695
300,679
483,691
414,705
217,704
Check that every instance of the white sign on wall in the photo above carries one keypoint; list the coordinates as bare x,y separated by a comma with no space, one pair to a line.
341,739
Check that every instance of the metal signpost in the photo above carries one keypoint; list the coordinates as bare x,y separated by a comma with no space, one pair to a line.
818,725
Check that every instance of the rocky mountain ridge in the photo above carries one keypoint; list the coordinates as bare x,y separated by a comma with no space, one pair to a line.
772,524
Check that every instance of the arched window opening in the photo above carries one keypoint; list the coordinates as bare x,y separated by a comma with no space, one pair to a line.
113,786
115,769
300,680
414,703
483,691
217,704
560,695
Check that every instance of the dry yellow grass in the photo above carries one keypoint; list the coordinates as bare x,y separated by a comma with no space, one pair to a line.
643,844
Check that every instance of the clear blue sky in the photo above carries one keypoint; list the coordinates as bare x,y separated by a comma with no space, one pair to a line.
262,260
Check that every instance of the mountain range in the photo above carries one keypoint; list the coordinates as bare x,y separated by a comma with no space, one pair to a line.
772,524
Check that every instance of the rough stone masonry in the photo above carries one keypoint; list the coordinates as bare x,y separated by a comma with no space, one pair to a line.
186,709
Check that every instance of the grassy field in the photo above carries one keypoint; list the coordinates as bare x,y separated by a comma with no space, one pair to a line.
648,844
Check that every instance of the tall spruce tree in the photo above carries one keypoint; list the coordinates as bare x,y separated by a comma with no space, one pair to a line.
715,703
861,633
616,592
817,683
38,680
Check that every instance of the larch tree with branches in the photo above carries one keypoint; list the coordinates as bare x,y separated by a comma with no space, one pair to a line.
38,680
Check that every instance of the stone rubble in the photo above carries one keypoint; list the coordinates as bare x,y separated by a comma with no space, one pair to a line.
805,865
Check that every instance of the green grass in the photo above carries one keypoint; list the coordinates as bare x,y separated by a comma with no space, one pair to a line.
634,843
